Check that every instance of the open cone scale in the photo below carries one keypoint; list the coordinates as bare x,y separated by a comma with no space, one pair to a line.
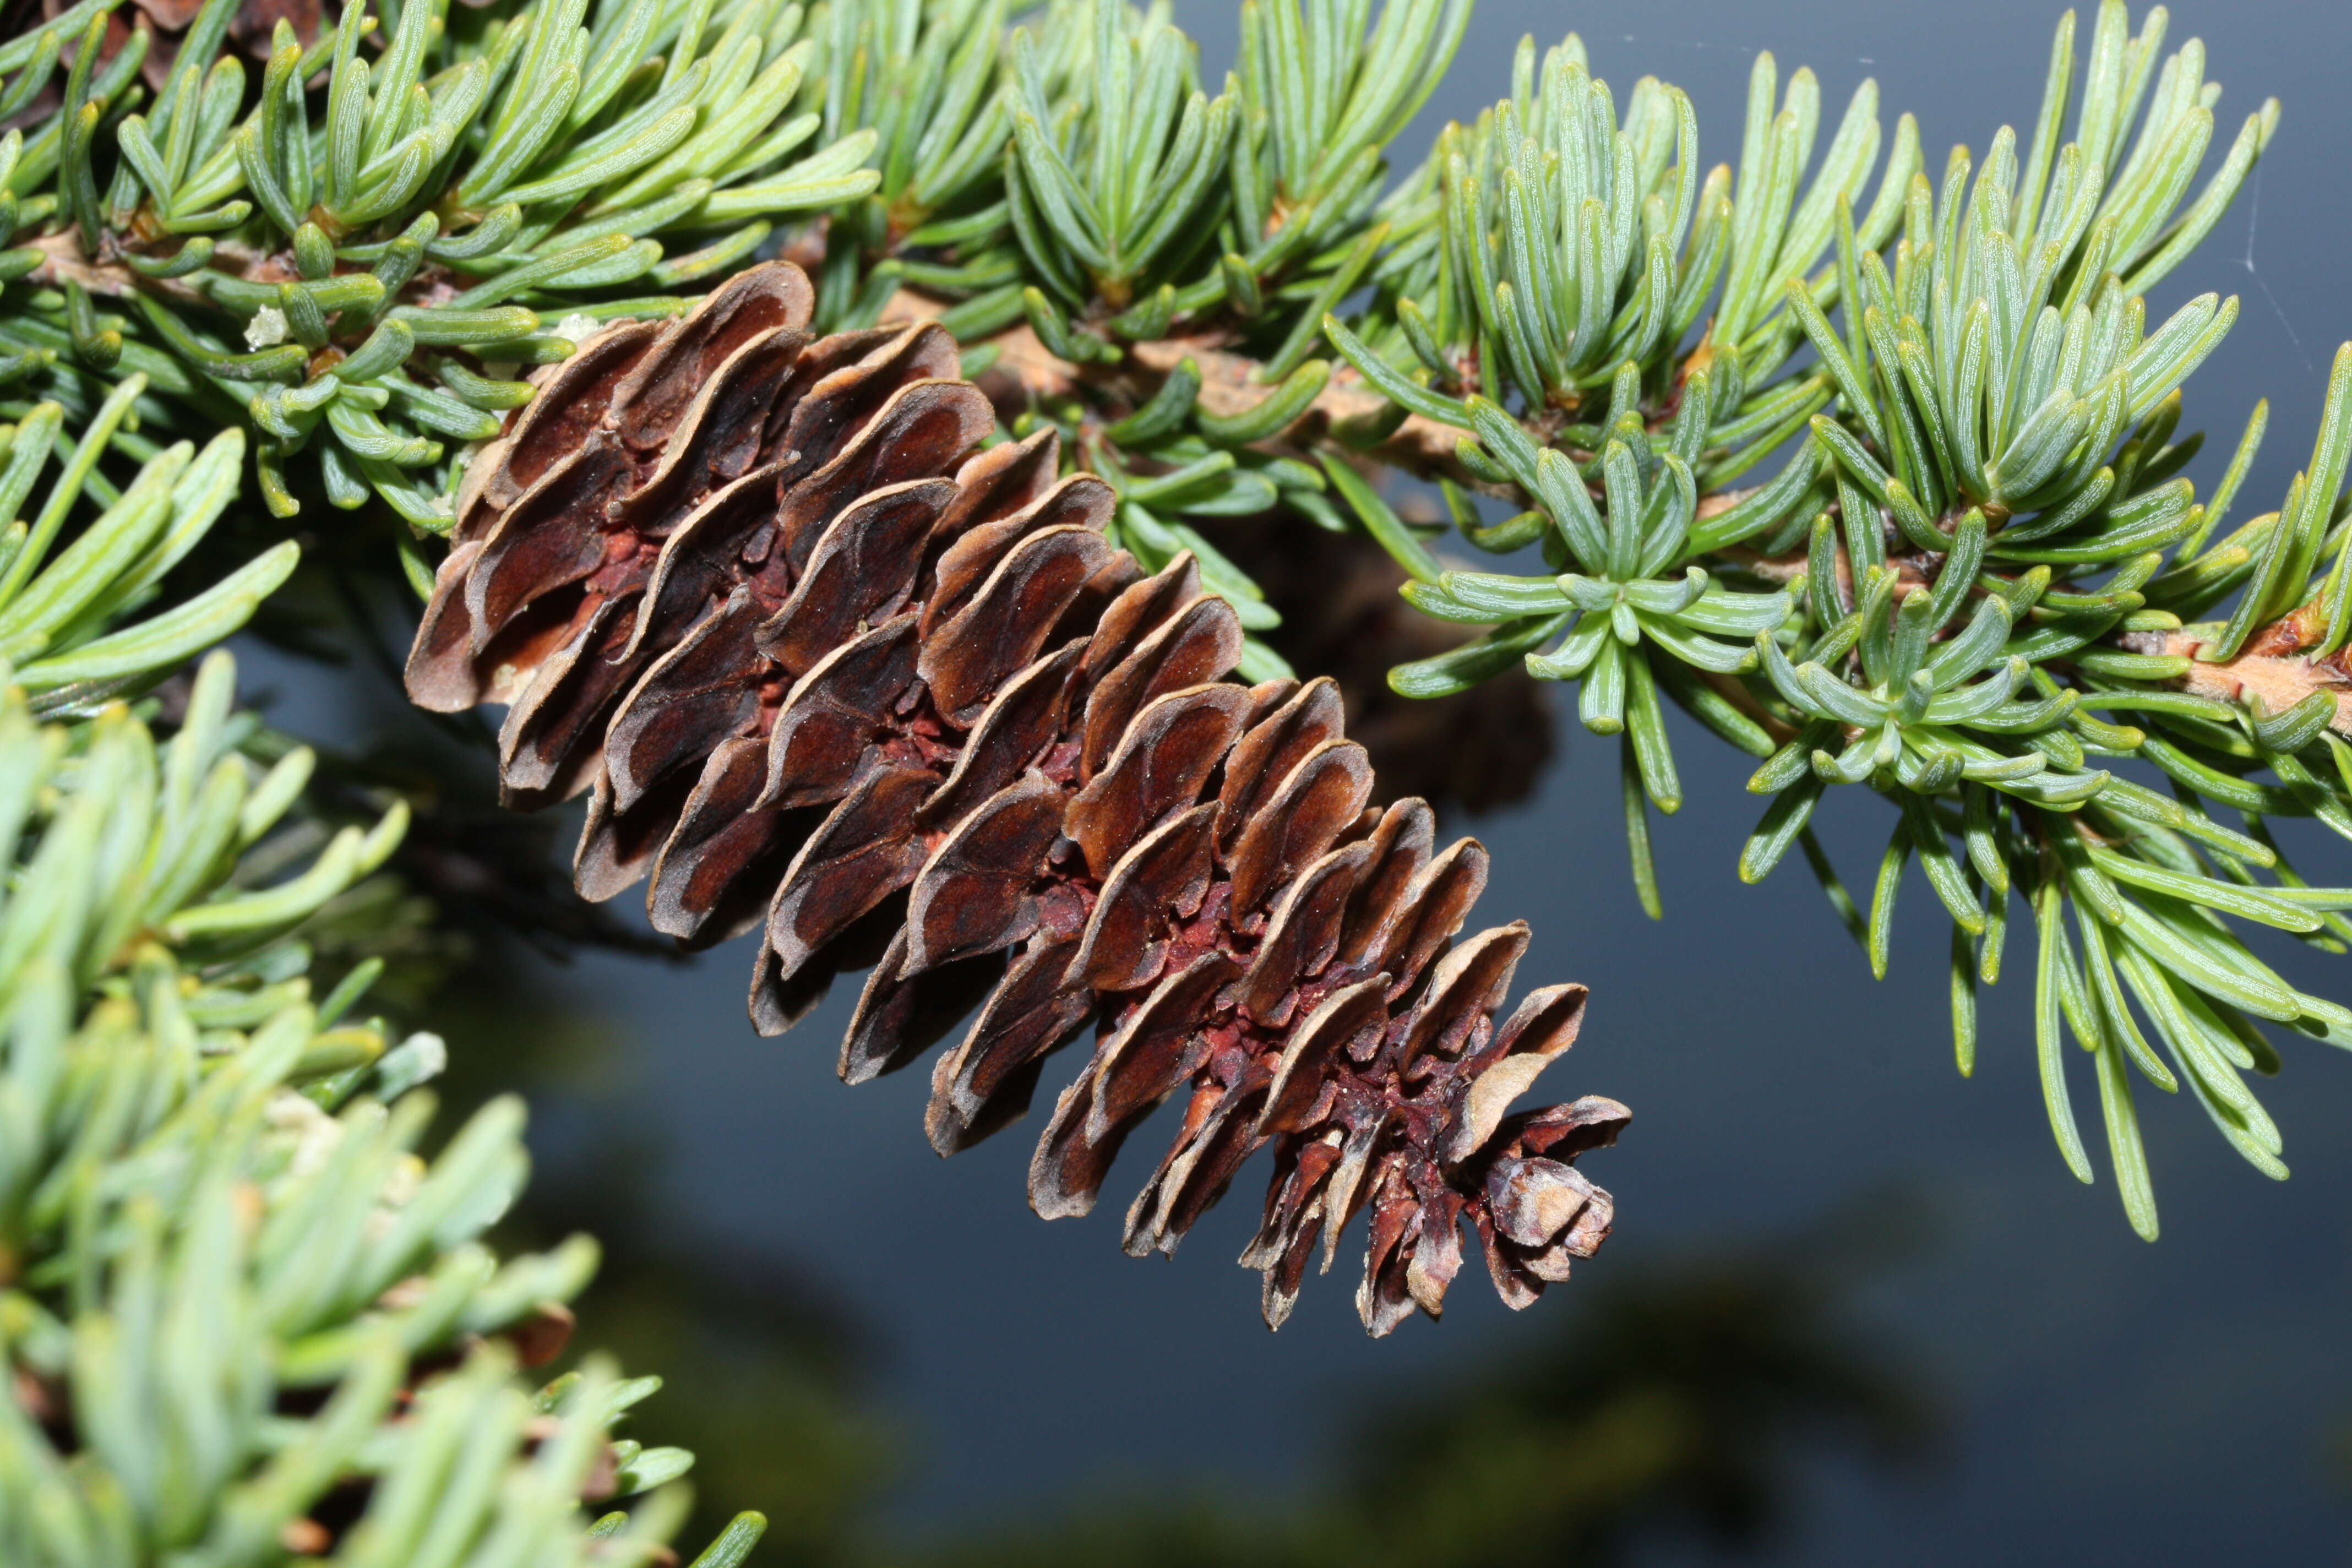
830,670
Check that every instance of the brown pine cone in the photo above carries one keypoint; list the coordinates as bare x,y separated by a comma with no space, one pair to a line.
829,671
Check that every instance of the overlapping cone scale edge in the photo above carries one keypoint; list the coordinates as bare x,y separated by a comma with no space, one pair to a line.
830,669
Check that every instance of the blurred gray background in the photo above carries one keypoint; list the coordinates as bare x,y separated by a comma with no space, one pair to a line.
2096,1399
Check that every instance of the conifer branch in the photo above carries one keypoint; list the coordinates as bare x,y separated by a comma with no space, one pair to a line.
1875,472
1347,408
1870,427
228,1287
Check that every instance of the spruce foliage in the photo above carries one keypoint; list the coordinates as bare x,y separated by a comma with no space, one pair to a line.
244,1320
1876,471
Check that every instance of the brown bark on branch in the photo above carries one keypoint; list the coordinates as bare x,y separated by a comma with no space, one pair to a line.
64,261
1420,446
2271,665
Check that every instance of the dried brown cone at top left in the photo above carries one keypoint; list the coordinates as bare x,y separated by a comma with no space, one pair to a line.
834,671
